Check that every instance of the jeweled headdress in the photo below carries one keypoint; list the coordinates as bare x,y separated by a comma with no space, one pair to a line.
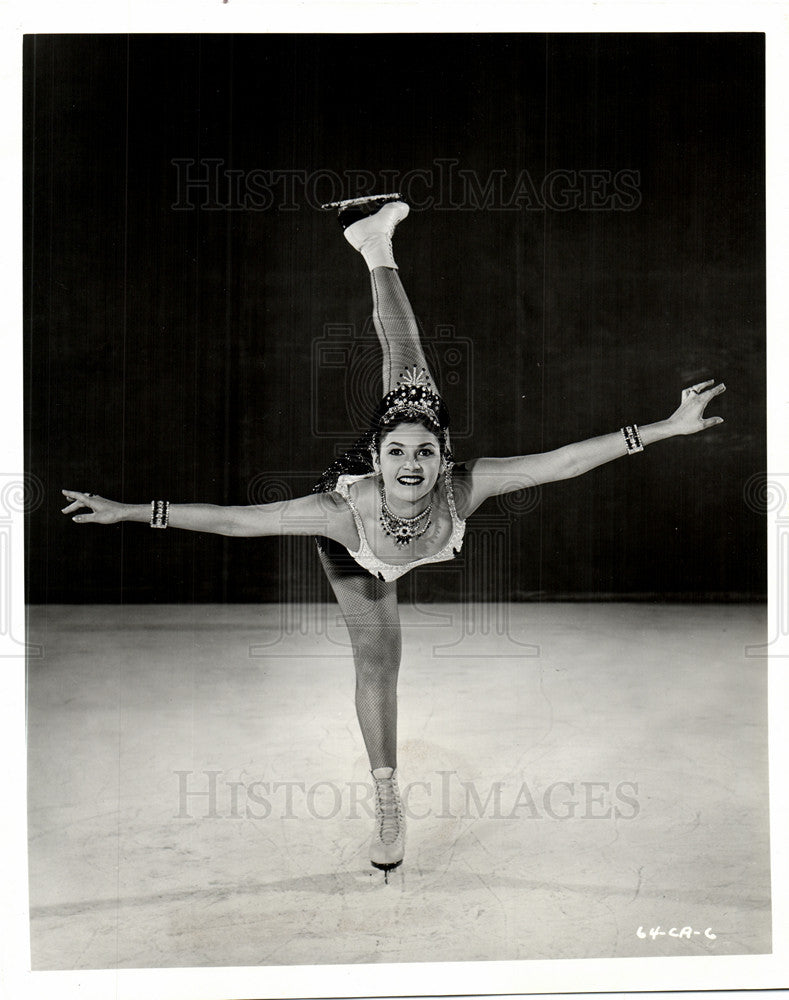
413,396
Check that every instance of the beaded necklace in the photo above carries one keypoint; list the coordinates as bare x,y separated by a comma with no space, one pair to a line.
404,529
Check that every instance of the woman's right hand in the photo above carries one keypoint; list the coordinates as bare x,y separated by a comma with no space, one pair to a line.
101,511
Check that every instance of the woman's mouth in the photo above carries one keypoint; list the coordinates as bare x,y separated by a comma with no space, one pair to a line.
410,480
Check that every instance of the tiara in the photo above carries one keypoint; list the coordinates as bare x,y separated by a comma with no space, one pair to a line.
413,396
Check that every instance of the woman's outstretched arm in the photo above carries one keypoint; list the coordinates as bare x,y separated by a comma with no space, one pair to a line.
316,514
493,476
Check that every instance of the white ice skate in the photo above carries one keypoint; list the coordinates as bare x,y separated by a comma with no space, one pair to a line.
369,224
387,846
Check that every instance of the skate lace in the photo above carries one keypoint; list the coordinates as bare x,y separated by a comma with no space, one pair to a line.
388,809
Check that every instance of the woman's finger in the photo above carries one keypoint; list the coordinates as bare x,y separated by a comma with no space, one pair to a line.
76,495
85,500
711,422
709,394
72,507
697,388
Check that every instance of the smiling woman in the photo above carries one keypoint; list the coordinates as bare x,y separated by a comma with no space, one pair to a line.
395,501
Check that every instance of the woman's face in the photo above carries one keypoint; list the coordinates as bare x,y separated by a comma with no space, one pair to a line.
410,461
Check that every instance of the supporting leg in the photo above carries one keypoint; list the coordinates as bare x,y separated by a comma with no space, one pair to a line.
371,614
369,607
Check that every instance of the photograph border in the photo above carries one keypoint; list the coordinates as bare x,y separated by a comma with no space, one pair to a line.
473,978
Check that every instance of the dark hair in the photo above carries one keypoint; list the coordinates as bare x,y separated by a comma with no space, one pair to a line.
418,420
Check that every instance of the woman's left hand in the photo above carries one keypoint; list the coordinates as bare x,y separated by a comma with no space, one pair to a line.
689,417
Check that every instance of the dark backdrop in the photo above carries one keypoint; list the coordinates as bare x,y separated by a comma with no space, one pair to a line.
199,353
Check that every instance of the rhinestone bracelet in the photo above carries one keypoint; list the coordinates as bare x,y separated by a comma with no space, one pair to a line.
632,439
160,513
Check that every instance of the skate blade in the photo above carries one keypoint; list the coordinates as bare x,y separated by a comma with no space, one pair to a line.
350,202
387,869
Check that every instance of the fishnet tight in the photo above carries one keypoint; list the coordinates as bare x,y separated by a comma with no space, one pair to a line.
369,607
396,326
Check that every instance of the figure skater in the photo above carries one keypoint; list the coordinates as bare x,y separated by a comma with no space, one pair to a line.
396,500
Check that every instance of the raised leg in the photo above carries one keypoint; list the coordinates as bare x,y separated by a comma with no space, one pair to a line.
369,607
396,326
393,317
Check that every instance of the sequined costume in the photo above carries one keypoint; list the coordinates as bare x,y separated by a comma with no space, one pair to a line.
365,556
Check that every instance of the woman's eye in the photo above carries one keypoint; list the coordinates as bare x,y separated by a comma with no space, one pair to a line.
427,451
394,451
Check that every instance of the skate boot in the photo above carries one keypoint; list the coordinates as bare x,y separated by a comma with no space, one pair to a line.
387,846
369,224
